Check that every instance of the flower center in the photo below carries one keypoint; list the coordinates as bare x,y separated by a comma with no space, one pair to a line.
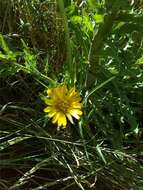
62,106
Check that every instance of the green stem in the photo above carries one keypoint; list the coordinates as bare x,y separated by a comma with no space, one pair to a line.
66,29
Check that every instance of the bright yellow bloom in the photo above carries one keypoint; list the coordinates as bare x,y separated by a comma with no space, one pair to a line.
63,104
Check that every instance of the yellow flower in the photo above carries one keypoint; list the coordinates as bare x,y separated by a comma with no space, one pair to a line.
63,104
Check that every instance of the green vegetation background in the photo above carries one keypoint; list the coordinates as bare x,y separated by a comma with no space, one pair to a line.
96,45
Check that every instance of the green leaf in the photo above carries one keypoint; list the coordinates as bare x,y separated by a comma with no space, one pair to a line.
100,153
76,19
30,58
87,24
8,69
3,45
98,18
139,61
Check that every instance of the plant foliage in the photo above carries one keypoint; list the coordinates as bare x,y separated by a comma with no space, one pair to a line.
95,46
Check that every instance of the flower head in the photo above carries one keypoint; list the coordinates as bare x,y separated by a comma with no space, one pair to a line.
63,104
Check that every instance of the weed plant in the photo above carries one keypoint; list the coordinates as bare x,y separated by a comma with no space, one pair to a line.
96,47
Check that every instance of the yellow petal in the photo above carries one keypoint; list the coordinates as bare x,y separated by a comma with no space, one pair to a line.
75,113
49,92
69,117
49,101
51,114
76,105
55,118
47,109
62,120
57,94
79,112
72,92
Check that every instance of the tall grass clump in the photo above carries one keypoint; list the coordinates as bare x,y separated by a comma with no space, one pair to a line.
71,95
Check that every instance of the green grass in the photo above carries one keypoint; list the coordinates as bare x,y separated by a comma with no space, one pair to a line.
95,46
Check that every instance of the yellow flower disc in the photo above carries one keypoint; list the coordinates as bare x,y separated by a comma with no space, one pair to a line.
63,104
